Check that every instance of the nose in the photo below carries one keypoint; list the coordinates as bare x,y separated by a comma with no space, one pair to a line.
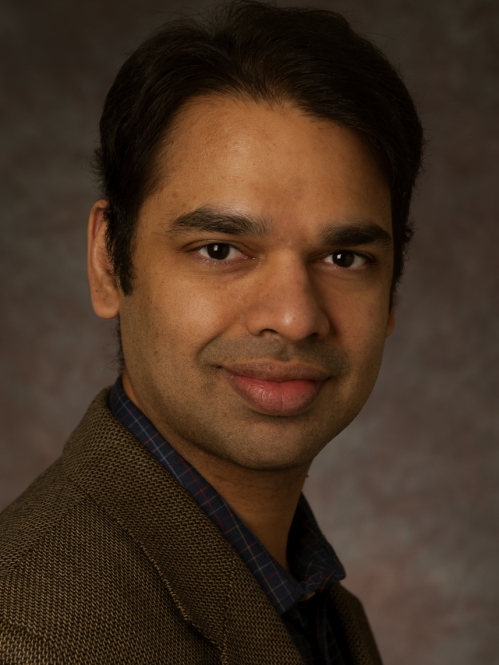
284,301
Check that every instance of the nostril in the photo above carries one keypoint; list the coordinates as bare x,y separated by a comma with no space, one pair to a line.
270,332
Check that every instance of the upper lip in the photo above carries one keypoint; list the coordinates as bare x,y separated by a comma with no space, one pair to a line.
279,372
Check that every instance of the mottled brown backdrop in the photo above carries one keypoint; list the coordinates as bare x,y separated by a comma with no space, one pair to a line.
408,494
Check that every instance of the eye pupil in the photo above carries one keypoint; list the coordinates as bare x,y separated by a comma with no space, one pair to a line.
344,259
218,251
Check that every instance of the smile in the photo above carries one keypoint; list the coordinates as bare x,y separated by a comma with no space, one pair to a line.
276,389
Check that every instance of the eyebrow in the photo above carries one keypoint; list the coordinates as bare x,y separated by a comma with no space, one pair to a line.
213,221
353,235
209,220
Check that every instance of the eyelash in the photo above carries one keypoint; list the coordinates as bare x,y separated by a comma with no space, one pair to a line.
368,258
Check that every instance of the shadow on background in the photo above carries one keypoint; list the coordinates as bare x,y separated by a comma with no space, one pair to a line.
408,494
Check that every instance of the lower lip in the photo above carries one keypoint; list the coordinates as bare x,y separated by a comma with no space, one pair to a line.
275,398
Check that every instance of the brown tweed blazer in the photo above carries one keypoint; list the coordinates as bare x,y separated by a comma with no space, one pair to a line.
106,560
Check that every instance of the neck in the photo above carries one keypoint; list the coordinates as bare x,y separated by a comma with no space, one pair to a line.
265,500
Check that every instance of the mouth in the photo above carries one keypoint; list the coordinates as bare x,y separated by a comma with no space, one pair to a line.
276,389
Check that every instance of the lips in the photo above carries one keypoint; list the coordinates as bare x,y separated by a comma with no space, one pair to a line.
276,389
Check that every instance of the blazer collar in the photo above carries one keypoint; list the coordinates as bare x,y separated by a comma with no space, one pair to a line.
211,586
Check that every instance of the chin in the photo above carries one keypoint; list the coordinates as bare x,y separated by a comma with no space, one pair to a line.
272,464
284,445
264,457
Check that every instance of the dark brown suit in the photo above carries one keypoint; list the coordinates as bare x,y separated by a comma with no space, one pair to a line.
105,559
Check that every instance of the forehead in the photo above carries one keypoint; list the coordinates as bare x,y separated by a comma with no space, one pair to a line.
273,162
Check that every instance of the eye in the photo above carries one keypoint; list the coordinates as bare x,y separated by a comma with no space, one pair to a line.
218,251
346,259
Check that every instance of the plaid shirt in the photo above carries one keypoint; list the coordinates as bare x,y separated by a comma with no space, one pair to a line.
301,599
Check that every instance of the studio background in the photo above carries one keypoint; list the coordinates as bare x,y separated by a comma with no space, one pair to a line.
408,494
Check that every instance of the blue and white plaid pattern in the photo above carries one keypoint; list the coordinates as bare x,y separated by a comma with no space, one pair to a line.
312,558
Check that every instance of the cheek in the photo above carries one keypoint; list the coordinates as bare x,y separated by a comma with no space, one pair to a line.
360,326
187,314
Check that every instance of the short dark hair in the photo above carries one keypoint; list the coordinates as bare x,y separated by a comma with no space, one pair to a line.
310,58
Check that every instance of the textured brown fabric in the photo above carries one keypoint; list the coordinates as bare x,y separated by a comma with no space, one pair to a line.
106,559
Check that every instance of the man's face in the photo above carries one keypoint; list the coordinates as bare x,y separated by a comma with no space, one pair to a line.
263,267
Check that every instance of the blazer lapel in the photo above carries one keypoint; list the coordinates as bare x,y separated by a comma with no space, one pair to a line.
355,627
211,586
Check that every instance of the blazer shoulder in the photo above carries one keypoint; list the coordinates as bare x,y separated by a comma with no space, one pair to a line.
355,626
20,645
35,512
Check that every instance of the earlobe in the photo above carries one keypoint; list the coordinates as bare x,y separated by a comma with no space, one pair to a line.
391,321
104,290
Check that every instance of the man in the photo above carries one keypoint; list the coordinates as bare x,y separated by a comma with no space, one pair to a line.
257,172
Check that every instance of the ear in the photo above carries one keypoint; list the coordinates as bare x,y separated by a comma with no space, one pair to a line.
104,288
390,327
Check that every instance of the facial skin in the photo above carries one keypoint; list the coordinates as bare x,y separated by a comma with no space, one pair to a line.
248,341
